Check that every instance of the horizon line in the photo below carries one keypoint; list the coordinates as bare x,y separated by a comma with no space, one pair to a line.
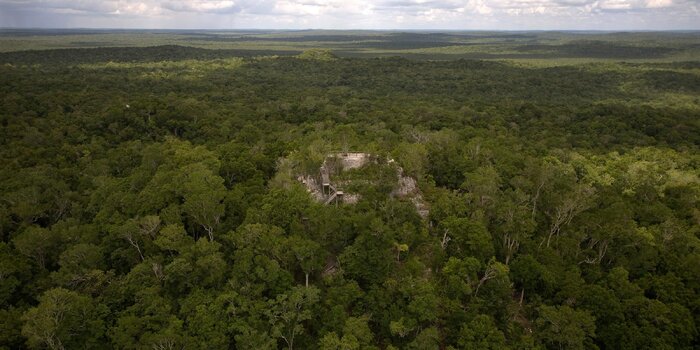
356,29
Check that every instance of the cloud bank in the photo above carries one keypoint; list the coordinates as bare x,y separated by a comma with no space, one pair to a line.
355,14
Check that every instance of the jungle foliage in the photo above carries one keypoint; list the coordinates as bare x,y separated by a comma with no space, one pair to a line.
144,202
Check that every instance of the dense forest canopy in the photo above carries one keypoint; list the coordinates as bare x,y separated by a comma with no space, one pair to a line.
149,195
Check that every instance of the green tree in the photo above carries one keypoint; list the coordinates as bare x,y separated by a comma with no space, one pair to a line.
331,341
149,323
481,333
563,327
14,269
199,265
204,193
64,320
82,269
356,335
483,185
427,339
368,259
39,244
467,238
288,311
307,253
461,276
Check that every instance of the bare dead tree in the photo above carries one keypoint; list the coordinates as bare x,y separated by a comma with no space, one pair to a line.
149,226
511,245
130,237
490,273
601,247
445,239
570,206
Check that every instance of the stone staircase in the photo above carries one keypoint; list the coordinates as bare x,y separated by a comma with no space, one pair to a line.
333,194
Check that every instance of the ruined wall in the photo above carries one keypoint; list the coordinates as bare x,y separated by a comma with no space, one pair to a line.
343,161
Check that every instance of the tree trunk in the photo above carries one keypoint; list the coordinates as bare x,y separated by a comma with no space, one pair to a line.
135,243
210,232
535,198
445,239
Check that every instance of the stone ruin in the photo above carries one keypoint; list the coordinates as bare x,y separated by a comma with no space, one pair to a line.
325,190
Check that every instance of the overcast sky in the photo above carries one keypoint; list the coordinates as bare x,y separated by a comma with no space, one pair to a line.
354,14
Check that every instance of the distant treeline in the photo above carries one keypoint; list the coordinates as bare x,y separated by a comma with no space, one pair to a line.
128,54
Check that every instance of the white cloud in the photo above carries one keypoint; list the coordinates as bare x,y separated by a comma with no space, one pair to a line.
659,3
447,14
200,6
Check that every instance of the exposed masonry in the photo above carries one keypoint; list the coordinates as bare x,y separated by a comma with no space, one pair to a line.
325,190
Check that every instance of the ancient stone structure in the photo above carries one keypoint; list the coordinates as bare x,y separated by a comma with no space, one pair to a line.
325,190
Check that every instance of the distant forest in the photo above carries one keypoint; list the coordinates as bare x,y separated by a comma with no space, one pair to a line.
150,192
